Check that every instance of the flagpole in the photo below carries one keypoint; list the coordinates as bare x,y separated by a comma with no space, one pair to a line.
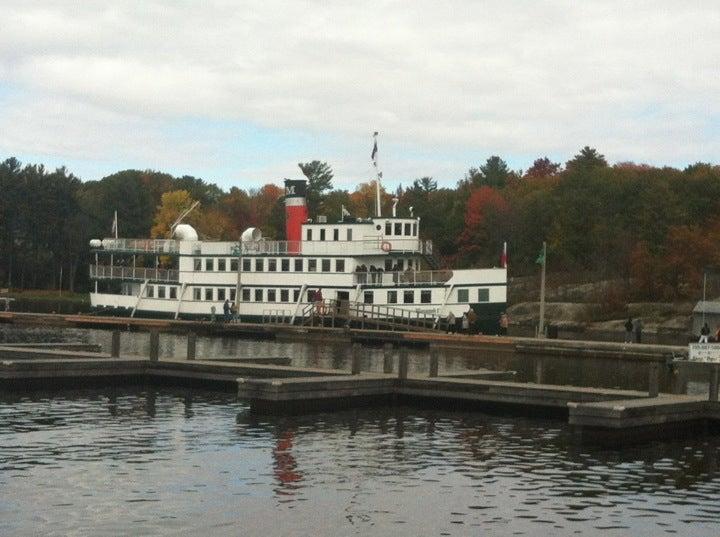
541,324
373,156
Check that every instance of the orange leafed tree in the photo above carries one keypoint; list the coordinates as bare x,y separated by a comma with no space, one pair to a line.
486,221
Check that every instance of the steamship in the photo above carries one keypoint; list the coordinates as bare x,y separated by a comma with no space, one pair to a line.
378,266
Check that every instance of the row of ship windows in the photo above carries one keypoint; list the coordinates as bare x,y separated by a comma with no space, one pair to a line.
391,229
283,295
258,265
408,296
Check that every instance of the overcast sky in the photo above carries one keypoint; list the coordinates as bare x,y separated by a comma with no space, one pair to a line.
239,92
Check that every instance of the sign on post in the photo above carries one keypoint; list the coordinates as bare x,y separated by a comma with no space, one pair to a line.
704,352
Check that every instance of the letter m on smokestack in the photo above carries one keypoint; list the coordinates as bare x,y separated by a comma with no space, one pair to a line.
296,213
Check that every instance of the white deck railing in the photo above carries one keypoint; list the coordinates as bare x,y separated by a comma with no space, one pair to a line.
134,273
158,246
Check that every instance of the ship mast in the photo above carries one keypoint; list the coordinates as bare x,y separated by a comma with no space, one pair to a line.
373,156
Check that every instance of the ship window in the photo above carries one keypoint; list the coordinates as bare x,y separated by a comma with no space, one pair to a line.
410,264
209,264
197,264
285,265
388,264
463,295
400,264
246,265
259,265
309,235
322,234
258,295
221,264
388,228
349,234
408,297
196,293
272,265
414,230
284,295
161,291
398,228
296,295
312,265
150,291
392,297
298,265
483,295
407,229
246,295
233,295
425,296
221,294
208,293
339,265
234,265
173,292
271,295
368,297
336,234
325,265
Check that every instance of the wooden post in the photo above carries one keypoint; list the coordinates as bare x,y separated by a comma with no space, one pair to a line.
355,359
433,362
654,380
538,370
115,344
154,345
714,377
403,364
387,358
192,338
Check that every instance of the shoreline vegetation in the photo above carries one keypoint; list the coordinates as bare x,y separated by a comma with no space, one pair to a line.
617,235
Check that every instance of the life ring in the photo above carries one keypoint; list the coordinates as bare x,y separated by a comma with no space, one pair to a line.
385,246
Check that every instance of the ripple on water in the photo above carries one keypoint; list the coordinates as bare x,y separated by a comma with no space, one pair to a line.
172,461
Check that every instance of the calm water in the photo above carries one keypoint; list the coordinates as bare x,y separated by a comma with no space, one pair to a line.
146,461
178,462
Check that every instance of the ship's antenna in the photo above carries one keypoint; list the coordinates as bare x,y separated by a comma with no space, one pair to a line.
183,215
373,156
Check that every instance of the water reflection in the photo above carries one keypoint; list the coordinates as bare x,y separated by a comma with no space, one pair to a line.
99,461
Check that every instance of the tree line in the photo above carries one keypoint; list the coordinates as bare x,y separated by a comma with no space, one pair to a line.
655,228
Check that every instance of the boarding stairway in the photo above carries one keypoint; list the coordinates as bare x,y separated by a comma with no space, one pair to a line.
344,313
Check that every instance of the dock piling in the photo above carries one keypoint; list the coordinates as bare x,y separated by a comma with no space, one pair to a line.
355,359
387,358
714,374
154,345
115,344
539,370
192,338
654,380
403,364
433,362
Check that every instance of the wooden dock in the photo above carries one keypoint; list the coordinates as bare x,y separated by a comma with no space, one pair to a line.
270,384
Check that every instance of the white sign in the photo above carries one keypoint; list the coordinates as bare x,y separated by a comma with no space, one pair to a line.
704,352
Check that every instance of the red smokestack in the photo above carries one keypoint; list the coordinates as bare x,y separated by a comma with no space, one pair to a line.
296,213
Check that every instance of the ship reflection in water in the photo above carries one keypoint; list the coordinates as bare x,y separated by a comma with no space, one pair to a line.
148,461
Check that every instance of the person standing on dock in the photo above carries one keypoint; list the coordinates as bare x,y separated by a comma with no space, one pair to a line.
451,323
638,325
704,333
226,311
628,330
504,322
472,320
465,324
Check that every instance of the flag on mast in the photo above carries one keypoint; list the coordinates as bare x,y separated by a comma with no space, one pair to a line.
503,256
373,155
114,229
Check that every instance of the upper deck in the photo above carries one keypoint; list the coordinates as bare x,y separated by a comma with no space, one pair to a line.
376,236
